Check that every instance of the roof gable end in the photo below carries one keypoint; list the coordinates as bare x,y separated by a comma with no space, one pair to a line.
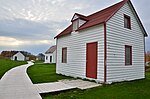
138,19
78,16
19,52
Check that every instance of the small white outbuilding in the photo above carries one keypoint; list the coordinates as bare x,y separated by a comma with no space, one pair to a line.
18,57
50,55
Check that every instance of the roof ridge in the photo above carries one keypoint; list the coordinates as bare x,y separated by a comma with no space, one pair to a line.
105,8
107,13
80,14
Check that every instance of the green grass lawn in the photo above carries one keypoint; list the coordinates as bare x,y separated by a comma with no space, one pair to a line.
38,61
139,89
44,73
6,64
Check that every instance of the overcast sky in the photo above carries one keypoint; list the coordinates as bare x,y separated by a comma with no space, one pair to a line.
31,25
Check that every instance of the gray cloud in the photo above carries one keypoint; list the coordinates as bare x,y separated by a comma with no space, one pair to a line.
142,9
38,20
26,29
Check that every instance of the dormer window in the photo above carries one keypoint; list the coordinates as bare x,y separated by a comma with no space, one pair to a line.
78,20
75,24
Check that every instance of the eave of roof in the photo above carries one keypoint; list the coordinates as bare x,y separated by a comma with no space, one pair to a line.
65,32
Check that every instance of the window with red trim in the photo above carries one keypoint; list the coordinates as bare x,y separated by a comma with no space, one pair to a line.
64,55
128,55
127,21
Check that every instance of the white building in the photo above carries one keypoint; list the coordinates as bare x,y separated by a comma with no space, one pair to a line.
107,46
18,57
50,55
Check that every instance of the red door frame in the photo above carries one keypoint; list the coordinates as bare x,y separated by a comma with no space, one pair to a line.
91,60
105,53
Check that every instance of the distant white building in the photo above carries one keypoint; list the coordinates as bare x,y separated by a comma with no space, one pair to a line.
40,57
50,55
18,57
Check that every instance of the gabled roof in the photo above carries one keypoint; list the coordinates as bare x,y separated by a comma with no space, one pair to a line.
18,52
12,53
98,18
23,53
68,30
80,17
51,49
40,55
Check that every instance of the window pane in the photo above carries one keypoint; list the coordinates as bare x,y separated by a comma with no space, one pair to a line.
64,55
128,55
127,22
75,25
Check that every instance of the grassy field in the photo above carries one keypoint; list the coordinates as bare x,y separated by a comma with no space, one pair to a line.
139,89
6,64
43,73
38,61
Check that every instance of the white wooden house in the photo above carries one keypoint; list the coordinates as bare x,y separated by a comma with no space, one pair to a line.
107,46
50,55
18,56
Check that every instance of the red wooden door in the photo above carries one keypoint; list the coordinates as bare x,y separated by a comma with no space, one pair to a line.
91,60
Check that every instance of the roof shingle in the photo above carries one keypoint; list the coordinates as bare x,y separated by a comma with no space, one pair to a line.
51,49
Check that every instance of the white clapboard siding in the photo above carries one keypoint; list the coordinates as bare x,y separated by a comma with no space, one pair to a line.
20,56
54,57
76,52
117,38
48,57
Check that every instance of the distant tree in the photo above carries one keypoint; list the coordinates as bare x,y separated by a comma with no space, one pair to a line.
7,54
32,57
148,56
